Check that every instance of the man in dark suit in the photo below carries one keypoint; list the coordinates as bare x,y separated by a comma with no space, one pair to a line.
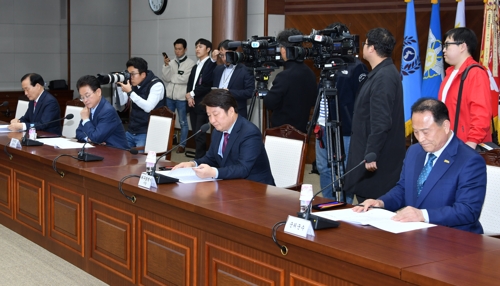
200,84
237,150
443,181
42,108
100,123
238,79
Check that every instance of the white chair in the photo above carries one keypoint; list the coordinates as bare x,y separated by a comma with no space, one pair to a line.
490,219
160,131
22,107
286,149
70,125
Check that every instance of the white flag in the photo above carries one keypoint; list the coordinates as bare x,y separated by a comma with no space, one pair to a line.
460,16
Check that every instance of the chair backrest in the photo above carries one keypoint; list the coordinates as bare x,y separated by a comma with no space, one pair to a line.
489,214
70,125
286,149
160,131
22,107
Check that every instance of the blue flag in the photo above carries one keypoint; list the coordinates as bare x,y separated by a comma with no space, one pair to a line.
433,70
411,68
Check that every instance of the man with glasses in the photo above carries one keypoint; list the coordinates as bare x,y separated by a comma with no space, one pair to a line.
294,89
378,122
100,122
42,107
238,79
146,92
475,106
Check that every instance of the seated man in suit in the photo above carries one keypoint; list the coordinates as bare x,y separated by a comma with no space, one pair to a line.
42,108
237,150
238,79
100,123
443,181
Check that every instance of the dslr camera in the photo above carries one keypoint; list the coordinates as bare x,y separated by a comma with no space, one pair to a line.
257,52
123,77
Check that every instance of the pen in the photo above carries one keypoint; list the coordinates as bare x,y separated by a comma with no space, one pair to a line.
370,207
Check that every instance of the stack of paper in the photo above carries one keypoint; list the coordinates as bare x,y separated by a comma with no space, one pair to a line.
378,218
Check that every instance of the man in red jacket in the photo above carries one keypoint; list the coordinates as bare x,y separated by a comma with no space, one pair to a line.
475,108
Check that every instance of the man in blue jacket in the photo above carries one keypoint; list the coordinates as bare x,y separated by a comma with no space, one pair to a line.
443,181
100,123
236,150
42,108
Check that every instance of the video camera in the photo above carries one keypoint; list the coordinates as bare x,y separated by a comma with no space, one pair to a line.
123,77
257,52
327,45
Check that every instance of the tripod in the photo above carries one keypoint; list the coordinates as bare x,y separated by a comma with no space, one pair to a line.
326,94
261,77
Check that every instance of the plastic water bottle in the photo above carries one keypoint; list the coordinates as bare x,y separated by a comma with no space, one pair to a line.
150,162
306,194
32,132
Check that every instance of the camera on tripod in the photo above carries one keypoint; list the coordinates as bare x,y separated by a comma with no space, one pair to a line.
123,77
327,45
257,52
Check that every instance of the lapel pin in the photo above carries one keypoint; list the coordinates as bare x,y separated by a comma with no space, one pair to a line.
446,161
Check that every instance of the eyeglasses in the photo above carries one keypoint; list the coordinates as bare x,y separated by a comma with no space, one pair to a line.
134,73
446,44
86,96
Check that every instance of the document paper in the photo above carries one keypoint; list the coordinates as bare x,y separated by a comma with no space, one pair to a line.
185,175
378,218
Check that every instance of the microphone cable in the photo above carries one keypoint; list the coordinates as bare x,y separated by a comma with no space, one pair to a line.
130,198
54,167
284,249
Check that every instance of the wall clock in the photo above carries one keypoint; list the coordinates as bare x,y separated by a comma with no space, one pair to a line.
158,6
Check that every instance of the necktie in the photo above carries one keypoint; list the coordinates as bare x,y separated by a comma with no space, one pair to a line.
226,136
34,106
425,173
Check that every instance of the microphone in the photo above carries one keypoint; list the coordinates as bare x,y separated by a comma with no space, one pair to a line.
28,142
234,44
5,103
162,179
322,223
7,112
298,38
87,157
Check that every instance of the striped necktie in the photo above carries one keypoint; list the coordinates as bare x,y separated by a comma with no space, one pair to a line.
425,173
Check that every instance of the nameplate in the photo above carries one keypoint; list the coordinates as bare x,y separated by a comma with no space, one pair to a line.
299,226
146,181
14,143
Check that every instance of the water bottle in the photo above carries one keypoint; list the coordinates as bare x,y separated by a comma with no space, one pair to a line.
32,132
150,162
306,194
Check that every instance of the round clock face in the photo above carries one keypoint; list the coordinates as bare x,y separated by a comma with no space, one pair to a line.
158,6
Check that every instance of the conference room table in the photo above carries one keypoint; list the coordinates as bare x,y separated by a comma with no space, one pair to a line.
211,233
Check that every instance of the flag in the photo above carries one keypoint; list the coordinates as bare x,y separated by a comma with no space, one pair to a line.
460,16
489,55
433,69
411,68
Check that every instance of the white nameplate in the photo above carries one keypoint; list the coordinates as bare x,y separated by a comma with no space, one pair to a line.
299,226
14,143
146,181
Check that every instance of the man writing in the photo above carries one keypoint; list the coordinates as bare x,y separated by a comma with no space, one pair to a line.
443,181
237,150
42,108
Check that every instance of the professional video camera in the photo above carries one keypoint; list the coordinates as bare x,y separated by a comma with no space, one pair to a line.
123,76
257,52
327,45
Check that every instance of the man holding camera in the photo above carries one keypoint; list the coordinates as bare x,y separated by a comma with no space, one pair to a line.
176,75
146,92
236,78
294,89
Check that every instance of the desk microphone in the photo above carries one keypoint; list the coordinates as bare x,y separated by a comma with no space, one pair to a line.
319,222
28,142
87,157
7,112
162,179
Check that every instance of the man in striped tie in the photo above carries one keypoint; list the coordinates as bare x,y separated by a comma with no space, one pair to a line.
443,181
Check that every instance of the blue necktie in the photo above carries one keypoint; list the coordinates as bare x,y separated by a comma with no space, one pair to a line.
425,173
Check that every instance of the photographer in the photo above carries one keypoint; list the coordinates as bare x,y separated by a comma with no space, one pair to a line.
294,89
146,92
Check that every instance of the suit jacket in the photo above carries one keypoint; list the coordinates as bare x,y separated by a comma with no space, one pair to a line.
245,156
454,192
47,109
203,84
241,85
104,127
